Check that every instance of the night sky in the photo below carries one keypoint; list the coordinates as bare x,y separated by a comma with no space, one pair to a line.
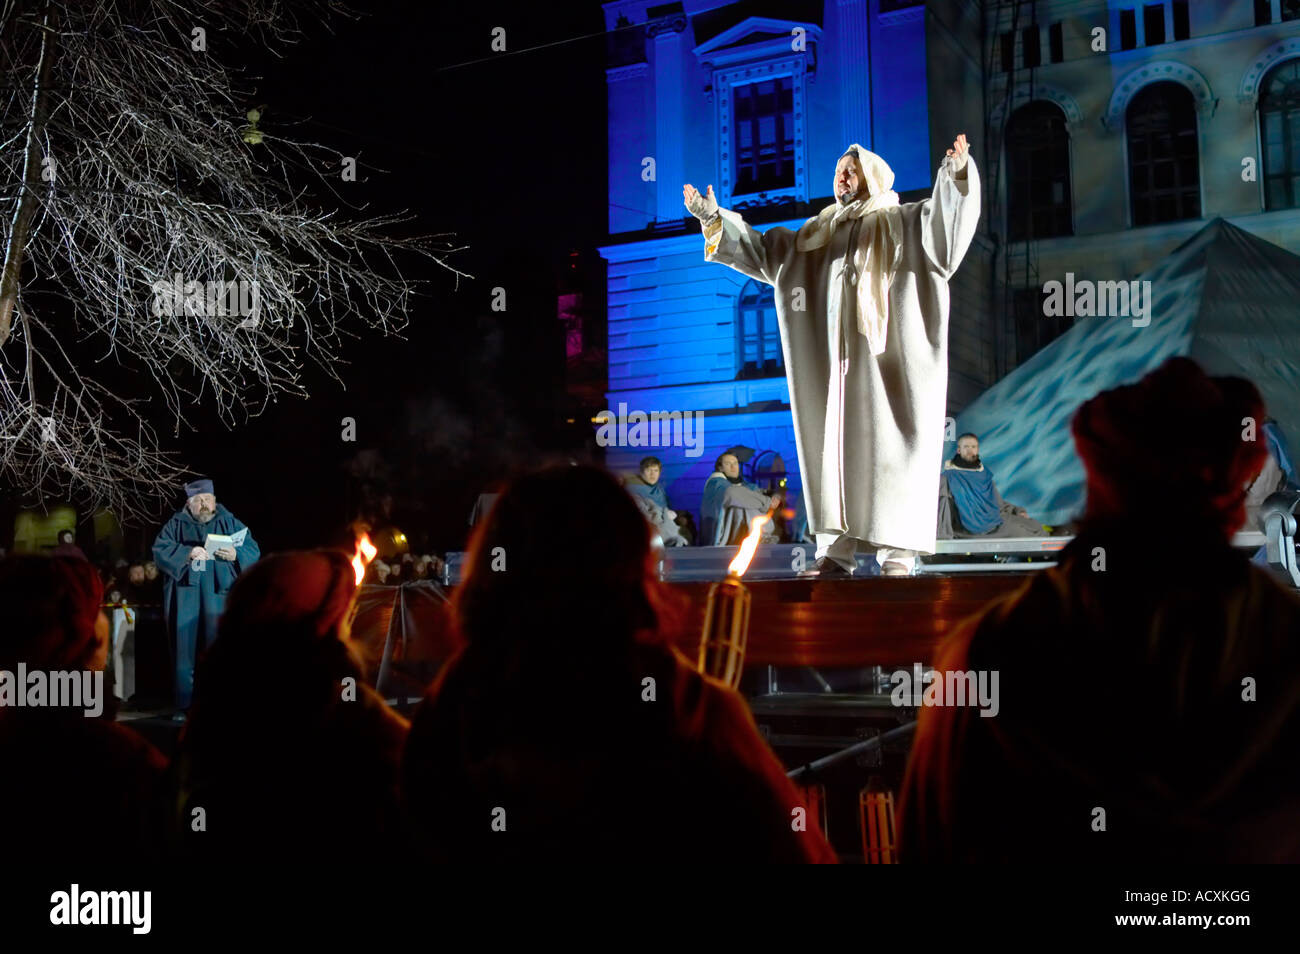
509,154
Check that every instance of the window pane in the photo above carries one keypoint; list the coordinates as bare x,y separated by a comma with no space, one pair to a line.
1153,22
1127,30
1182,27
1164,165
1038,183
764,136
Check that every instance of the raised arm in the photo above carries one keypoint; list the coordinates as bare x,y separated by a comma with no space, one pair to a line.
951,214
729,240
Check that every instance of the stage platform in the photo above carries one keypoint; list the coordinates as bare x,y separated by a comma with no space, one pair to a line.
841,624
785,561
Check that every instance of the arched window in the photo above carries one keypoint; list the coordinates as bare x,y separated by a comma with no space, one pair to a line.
1038,173
758,339
1279,134
1163,160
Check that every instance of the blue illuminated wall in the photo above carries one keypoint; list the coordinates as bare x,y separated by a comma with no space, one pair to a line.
861,76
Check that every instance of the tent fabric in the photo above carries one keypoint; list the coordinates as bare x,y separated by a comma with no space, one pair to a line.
1224,298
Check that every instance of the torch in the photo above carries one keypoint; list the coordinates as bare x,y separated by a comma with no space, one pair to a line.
726,616
365,552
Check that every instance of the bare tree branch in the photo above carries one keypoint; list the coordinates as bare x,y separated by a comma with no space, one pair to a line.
151,221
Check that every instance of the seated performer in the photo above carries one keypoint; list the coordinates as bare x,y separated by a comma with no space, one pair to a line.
659,519
969,502
729,503
645,483
652,498
1279,473
1193,759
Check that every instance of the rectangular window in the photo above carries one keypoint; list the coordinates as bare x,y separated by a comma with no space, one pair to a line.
1263,12
1153,21
1056,43
764,136
1182,25
1007,47
1032,51
1128,31
1290,10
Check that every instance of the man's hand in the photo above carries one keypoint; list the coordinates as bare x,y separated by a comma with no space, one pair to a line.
225,553
198,553
960,152
702,207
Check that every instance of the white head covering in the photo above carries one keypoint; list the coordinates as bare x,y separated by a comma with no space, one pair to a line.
879,246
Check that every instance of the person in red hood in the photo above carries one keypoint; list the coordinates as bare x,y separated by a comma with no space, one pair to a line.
567,727
1149,703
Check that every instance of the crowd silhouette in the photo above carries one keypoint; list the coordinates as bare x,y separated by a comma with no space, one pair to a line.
1157,695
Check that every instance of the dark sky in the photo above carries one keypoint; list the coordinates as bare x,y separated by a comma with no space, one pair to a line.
508,153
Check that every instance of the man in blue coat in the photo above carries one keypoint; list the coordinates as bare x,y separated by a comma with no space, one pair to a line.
969,502
195,582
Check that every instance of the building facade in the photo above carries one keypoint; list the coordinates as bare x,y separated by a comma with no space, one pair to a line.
1125,127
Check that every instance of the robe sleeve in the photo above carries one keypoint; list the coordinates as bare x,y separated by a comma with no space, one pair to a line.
944,530
950,216
247,553
729,240
172,554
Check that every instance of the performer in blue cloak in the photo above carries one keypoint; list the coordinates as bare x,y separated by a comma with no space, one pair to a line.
647,484
969,502
195,582
1279,474
729,503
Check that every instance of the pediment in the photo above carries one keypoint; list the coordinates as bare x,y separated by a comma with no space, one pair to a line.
755,35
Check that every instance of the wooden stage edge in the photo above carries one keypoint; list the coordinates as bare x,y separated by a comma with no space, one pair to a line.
877,621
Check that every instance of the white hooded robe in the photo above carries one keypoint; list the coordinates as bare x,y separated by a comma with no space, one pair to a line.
869,427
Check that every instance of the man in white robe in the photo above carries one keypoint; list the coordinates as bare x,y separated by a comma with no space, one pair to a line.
865,339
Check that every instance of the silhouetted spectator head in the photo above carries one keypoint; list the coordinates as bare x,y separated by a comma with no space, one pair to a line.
285,630
52,614
150,571
136,574
67,536
588,586
307,593
325,768
1178,443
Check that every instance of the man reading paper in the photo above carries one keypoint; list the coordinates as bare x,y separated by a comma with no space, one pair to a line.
196,581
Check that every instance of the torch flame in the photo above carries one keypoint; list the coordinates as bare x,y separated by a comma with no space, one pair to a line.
740,564
365,553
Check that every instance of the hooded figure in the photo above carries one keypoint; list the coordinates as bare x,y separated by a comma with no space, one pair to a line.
862,304
1148,706
194,585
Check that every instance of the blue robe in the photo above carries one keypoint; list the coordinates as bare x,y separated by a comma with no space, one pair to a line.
193,599
977,500
655,492
715,494
1281,453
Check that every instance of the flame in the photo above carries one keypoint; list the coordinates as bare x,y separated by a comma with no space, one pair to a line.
740,564
365,553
